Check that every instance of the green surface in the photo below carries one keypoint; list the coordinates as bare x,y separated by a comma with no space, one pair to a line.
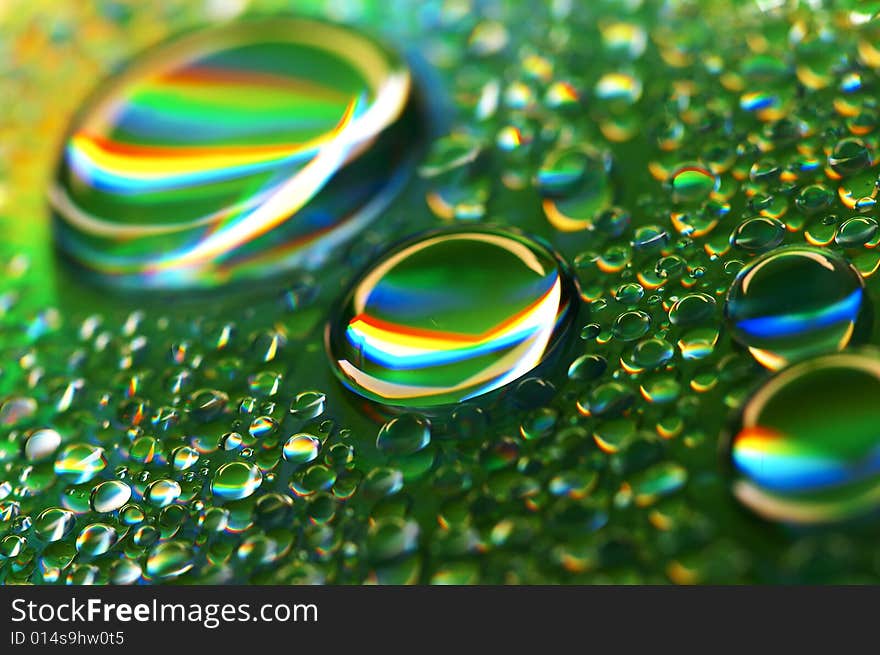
657,147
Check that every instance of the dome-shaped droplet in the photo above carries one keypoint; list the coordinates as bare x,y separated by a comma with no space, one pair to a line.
404,435
795,302
692,183
41,444
184,458
849,156
758,234
162,493
575,186
96,539
234,152
235,480
110,496
54,524
301,449
450,316
170,559
806,448
80,462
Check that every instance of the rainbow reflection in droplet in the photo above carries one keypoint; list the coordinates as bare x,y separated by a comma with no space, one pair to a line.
450,316
794,303
806,449
234,153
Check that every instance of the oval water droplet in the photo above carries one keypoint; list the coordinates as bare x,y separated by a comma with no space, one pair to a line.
80,462
804,450
234,152
235,480
692,183
449,316
54,524
170,559
404,435
162,493
795,302
41,444
110,496
301,449
96,539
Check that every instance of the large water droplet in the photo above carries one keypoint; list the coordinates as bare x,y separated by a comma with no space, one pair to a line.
450,316
162,493
41,444
186,168
80,462
96,539
805,449
301,449
795,302
170,559
110,496
575,186
235,480
54,523
692,183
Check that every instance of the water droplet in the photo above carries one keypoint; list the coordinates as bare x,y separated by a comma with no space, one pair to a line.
315,479
110,496
265,383
651,353
404,435
203,192
131,514
301,449
262,427
162,493
451,316
96,539
184,458
392,538
758,234
657,482
692,309
11,546
814,198
609,399
308,404
794,302
628,39
587,367
620,87
16,409
54,524
41,444
856,231
692,183
849,156
804,448
80,462
235,480
208,404
125,572
170,559
231,441
575,185
630,326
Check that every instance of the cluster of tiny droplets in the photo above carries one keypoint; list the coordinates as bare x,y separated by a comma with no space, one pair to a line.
658,146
